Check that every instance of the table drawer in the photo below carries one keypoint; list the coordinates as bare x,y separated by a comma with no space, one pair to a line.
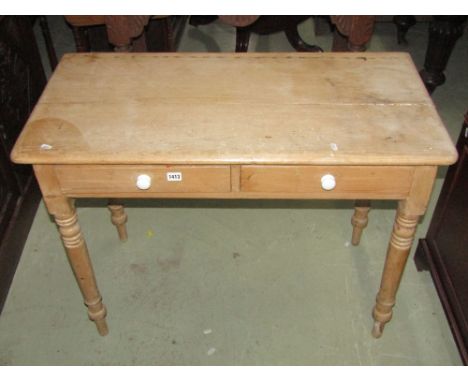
347,182
141,179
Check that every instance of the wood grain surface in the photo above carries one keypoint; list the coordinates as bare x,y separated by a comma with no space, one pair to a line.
215,108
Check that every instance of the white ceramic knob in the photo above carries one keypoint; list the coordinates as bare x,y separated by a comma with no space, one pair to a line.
143,182
328,182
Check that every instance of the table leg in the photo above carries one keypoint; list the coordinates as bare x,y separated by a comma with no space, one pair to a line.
403,24
397,254
80,34
118,218
242,39
444,31
359,219
80,262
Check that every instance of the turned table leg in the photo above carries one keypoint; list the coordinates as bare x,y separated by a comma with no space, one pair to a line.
444,31
80,262
398,250
404,229
359,219
118,218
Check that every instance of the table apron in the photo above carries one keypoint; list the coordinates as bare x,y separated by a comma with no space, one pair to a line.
235,181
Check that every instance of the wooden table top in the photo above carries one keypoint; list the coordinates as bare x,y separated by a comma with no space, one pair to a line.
216,108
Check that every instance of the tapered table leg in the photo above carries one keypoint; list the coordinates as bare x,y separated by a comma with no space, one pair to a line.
80,262
118,218
359,219
397,254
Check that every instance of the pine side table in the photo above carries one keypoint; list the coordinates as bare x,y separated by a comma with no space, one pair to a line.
236,126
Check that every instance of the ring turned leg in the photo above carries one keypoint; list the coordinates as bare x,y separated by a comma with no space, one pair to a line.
397,254
80,262
359,219
118,218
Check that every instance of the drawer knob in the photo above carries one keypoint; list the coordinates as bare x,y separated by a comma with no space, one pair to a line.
328,182
143,182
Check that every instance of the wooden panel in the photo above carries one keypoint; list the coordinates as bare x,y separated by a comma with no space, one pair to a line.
22,81
100,179
445,248
376,182
270,108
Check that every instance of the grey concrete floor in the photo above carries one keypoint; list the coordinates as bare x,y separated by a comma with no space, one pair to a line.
232,282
